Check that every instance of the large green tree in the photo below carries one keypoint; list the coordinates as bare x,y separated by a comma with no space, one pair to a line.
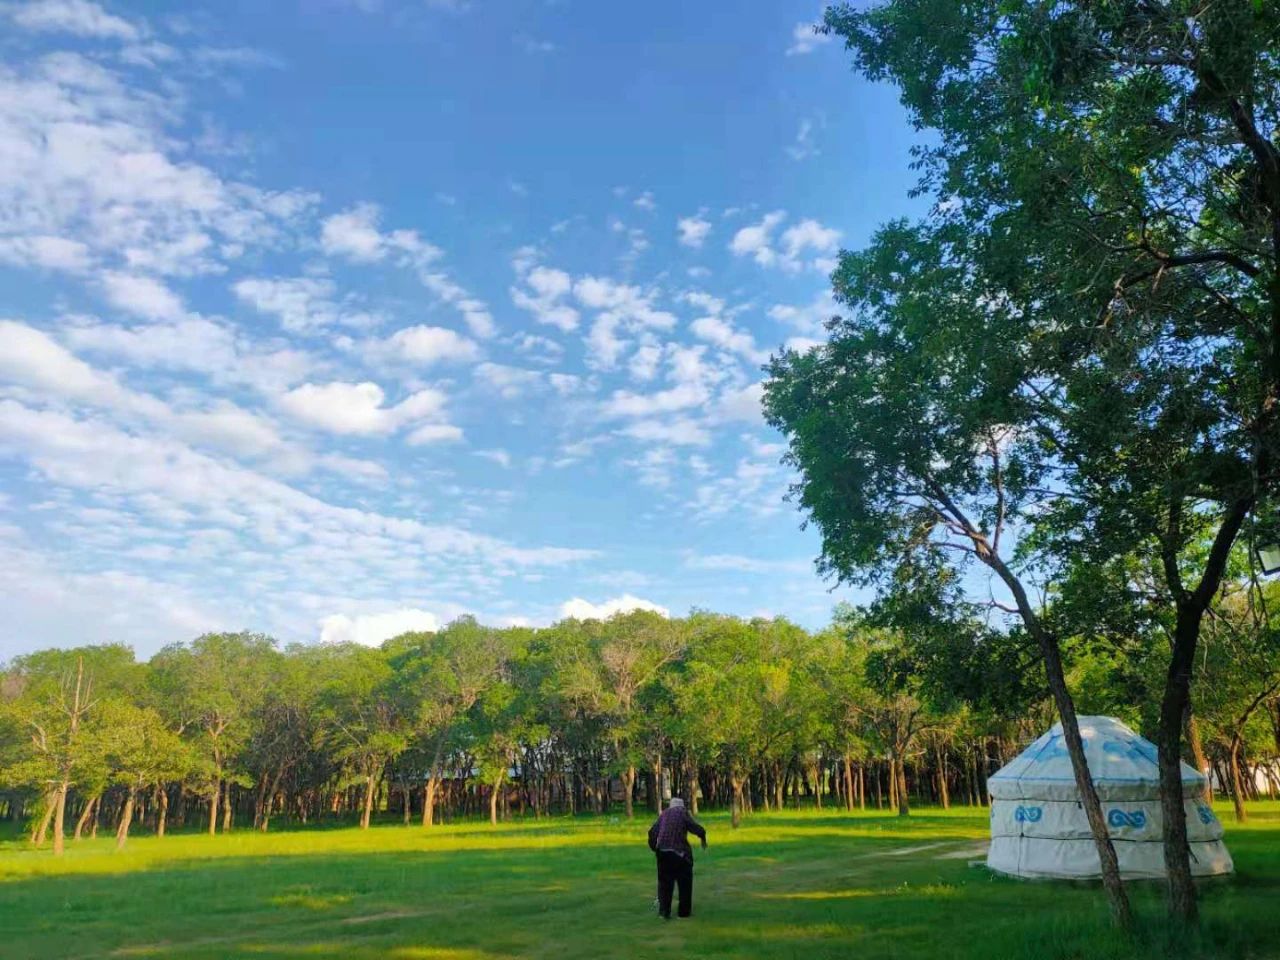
1100,279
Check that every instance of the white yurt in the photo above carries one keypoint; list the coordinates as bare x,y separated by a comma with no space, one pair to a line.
1039,828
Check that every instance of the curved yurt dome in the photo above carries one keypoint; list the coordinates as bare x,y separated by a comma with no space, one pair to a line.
1039,828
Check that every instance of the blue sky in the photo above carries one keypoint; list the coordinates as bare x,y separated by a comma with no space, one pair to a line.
331,318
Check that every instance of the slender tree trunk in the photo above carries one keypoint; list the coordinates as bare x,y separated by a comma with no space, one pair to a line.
228,811
1051,654
862,788
163,805
213,805
84,816
38,835
736,814
1173,708
904,803
629,781
848,783
943,793
59,818
893,782
126,818
433,782
367,810
493,803
270,799
1237,782
1197,754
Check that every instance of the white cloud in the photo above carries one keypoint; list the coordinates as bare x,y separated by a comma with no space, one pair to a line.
507,381
681,432
693,230
740,564
645,201
31,358
78,17
545,295
809,319
720,332
168,480
806,236
195,344
756,240
357,408
371,630
142,296
804,39
301,304
796,242
424,345
354,234
434,433
46,252
624,403
803,147
742,404
500,457
579,609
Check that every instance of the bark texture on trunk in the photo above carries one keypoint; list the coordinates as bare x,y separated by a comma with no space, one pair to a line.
126,818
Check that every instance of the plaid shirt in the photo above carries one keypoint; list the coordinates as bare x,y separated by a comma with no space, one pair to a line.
671,831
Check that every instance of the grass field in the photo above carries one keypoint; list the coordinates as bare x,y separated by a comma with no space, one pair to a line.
807,884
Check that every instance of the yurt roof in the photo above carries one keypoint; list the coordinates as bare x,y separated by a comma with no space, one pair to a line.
1122,763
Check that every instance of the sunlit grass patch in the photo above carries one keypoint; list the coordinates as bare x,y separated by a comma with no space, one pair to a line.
811,884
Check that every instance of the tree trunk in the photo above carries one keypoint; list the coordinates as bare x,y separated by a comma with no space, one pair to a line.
126,818
84,816
164,811
1237,782
893,782
1051,654
493,803
38,835
367,810
629,781
1173,709
848,783
943,795
1197,754
213,805
862,789
736,815
904,804
59,818
429,800
228,811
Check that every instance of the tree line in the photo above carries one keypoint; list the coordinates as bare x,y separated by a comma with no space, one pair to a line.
233,731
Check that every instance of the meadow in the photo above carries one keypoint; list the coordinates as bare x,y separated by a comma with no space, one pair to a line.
811,884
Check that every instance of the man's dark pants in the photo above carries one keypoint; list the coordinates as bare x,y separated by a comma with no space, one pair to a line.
674,870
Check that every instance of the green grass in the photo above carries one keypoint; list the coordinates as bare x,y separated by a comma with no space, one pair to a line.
807,885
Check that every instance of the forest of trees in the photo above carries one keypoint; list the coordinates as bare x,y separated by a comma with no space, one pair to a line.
230,731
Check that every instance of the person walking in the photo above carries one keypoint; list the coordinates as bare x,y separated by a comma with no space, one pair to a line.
669,840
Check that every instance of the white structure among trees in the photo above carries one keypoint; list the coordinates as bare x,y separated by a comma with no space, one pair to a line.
1038,826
